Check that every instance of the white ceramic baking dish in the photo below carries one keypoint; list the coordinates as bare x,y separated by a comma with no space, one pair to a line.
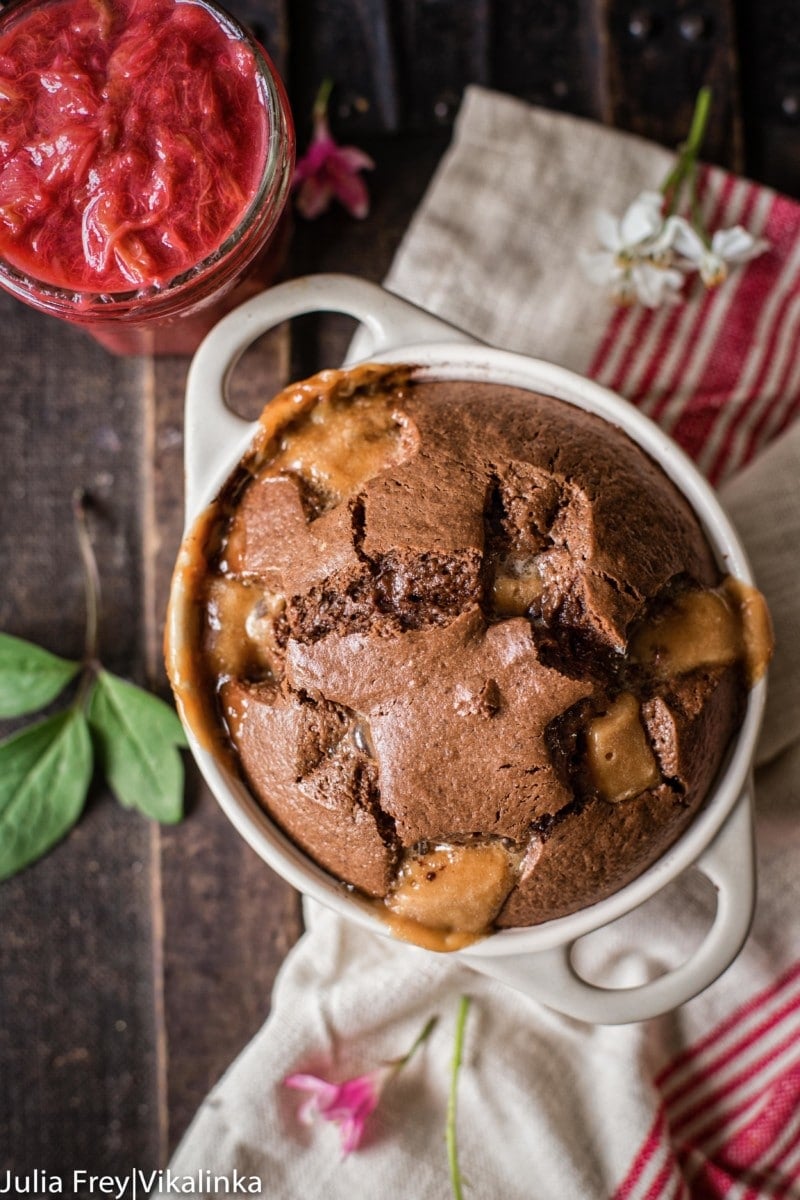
719,842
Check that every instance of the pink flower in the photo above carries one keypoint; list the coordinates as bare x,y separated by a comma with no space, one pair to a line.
350,1103
347,1104
328,170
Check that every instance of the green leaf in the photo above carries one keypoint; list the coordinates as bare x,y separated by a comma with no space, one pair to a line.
44,777
137,735
30,677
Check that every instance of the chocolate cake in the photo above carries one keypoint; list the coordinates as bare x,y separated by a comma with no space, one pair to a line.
469,647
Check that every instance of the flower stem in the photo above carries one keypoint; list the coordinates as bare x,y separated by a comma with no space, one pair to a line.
697,130
320,109
695,214
672,187
92,588
421,1037
452,1143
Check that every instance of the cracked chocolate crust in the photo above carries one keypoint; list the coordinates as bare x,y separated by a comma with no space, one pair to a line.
426,632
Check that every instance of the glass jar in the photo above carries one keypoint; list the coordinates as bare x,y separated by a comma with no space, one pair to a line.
173,316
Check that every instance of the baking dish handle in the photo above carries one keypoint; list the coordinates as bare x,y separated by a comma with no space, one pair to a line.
550,975
212,431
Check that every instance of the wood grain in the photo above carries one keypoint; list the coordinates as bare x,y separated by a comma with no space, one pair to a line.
77,1028
335,242
353,44
550,54
658,56
440,48
769,34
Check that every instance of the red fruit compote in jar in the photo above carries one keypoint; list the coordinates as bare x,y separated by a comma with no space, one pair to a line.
146,152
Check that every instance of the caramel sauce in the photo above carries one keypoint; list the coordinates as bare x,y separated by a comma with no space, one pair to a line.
194,703
241,641
449,896
337,427
699,629
620,760
714,627
193,687
758,638
515,586
340,447
444,941
233,553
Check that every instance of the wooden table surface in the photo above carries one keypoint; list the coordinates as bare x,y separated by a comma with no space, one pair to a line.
136,961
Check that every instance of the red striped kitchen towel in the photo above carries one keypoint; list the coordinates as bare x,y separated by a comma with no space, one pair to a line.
721,372
702,1103
728,1121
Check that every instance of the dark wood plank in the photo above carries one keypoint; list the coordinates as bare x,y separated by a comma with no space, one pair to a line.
354,45
79,1043
404,165
405,67
440,48
769,34
229,923
659,54
549,54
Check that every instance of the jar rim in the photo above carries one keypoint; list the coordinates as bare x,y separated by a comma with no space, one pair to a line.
254,226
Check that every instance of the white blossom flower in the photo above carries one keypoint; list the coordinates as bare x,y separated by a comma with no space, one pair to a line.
629,280
641,221
636,260
728,247
651,283
647,254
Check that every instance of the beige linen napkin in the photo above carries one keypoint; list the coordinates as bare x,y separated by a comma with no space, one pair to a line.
702,1102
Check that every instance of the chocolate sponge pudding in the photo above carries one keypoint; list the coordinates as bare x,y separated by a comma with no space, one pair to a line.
467,645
